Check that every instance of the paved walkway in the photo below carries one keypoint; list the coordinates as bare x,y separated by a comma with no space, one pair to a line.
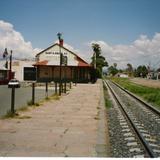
65,127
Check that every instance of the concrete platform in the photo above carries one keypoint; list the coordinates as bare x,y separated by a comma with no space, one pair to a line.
60,128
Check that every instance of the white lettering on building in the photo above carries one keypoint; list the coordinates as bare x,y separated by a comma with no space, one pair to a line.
55,53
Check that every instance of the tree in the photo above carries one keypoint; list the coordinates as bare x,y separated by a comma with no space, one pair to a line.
129,69
141,71
112,70
158,70
115,65
98,61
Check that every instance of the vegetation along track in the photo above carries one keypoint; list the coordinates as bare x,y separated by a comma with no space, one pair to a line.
144,121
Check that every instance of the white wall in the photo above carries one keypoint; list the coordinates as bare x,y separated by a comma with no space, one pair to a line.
18,68
53,57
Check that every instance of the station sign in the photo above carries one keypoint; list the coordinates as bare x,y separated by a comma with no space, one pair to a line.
55,53
29,74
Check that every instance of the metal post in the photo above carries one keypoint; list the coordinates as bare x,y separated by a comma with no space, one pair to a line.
60,74
62,87
65,87
76,76
70,85
33,93
12,99
10,66
46,89
56,87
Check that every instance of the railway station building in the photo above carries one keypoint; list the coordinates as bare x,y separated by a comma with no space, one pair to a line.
47,65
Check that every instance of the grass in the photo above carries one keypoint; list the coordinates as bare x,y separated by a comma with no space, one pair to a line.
15,115
9,114
96,118
37,104
23,117
29,103
55,97
25,108
151,95
108,102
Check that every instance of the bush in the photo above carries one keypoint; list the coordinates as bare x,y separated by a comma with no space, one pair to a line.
29,103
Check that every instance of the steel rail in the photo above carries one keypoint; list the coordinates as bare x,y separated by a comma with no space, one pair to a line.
152,108
140,136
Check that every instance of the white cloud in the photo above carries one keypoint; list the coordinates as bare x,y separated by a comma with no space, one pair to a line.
141,51
71,48
76,51
13,40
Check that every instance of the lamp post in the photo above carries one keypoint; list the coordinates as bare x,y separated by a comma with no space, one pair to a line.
5,55
60,72
10,66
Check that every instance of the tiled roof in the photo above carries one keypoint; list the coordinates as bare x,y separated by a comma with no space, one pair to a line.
82,63
46,63
41,63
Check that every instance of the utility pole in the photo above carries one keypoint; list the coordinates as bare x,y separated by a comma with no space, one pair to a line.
60,72
10,66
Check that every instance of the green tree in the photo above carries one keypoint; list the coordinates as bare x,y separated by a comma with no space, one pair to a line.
129,69
98,61
141,71
115,65
112,70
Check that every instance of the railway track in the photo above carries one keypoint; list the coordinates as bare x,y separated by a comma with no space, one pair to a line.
139,123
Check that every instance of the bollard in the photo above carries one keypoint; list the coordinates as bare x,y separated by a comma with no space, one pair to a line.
70,85
46,90
65,87
12,99
62,88
33,93
13,84
56,87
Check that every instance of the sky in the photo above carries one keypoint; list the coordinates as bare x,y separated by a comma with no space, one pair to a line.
128,31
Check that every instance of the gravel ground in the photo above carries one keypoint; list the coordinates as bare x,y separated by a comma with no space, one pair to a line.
148,121
121,135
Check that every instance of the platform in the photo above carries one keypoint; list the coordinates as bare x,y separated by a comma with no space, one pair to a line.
68,127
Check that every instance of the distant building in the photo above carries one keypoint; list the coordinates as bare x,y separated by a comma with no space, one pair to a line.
20,70
23,69
153,75
48,65
4,73
121,75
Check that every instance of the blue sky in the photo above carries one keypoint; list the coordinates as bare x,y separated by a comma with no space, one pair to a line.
115,22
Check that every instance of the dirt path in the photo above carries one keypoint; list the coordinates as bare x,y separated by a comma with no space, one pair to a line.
147,82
